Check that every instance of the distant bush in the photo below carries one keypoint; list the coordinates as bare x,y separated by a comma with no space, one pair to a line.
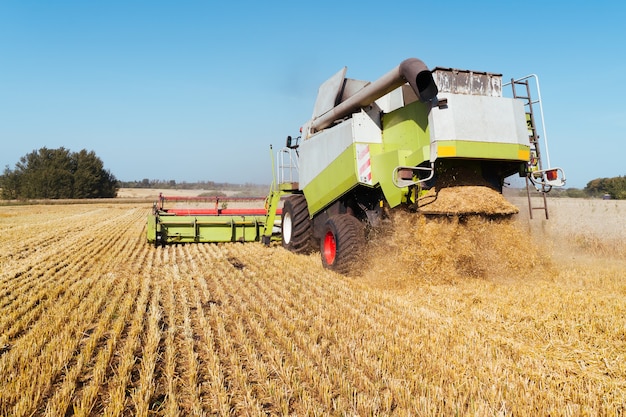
58,173
614,187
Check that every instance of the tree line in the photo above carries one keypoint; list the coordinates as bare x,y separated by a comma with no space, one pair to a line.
61,174
185,185
58,173
216,188
614,187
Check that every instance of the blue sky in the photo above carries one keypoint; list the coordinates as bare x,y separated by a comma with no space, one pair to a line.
198,90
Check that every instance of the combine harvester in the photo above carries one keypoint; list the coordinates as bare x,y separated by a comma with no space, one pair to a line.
437,142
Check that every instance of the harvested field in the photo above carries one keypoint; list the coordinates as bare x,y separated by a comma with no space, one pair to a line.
479,318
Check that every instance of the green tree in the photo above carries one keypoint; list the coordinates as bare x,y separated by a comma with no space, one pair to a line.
46,173
615,187
10,184
58,173
91,180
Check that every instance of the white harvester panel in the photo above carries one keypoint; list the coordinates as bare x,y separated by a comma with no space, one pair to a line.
475,83
326,146
478,119
328,93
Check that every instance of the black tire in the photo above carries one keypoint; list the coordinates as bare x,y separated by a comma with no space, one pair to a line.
296,226
342,243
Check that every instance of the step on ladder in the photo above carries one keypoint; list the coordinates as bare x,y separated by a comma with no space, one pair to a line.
535,171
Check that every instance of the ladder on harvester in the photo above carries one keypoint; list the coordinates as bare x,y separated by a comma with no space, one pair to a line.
285,182
542,180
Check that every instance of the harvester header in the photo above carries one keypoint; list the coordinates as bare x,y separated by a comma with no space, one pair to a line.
176,219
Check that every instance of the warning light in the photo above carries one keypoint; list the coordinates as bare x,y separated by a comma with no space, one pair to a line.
552,174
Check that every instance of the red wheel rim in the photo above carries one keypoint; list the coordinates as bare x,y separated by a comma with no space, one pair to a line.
330,248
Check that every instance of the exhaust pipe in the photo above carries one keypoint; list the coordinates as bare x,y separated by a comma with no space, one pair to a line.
411,70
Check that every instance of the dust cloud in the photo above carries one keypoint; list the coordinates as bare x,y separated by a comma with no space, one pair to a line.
418,249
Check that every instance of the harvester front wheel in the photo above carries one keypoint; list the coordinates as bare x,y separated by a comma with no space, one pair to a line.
296,228
342,243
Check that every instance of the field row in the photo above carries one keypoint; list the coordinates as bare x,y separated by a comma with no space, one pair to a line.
93,321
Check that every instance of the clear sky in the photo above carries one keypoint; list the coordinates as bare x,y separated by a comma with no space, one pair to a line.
198,90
